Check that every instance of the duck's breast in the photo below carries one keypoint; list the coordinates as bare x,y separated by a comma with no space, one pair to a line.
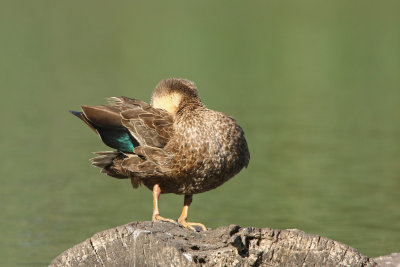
209,149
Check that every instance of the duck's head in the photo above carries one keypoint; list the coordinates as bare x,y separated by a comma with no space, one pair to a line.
172,94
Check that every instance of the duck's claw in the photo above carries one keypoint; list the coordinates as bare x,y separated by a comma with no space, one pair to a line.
198,227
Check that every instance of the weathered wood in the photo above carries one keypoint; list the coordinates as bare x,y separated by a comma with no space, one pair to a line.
166,244
392,260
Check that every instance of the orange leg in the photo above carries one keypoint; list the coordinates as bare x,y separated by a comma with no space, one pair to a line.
183,218
156,213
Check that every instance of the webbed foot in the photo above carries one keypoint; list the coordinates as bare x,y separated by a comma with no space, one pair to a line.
157,217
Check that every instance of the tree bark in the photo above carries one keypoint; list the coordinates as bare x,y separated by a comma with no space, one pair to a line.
167,244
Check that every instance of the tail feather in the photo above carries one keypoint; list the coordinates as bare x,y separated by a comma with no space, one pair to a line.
110,163
105,121
105,159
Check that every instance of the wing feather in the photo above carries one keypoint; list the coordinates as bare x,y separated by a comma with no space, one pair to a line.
150,126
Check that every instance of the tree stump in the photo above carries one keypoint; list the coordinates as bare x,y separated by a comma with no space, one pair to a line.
392,260
167,244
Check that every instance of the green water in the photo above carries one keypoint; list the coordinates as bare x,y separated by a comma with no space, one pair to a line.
314,84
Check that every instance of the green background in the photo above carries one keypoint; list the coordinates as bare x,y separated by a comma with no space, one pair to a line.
314,84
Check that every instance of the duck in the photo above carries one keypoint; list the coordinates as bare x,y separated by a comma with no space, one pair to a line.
175,144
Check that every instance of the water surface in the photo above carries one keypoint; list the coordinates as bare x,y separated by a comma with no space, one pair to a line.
314,85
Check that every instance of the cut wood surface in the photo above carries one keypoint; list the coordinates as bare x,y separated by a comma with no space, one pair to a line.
167,244
392,260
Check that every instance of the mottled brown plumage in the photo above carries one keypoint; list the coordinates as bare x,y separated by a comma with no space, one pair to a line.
179,145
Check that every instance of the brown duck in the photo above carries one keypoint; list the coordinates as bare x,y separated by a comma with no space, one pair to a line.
174,145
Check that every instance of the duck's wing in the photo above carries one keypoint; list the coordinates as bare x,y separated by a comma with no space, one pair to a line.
149,126
126,123
105,120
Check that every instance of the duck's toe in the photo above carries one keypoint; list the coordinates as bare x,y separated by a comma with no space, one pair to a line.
198,227
157,218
